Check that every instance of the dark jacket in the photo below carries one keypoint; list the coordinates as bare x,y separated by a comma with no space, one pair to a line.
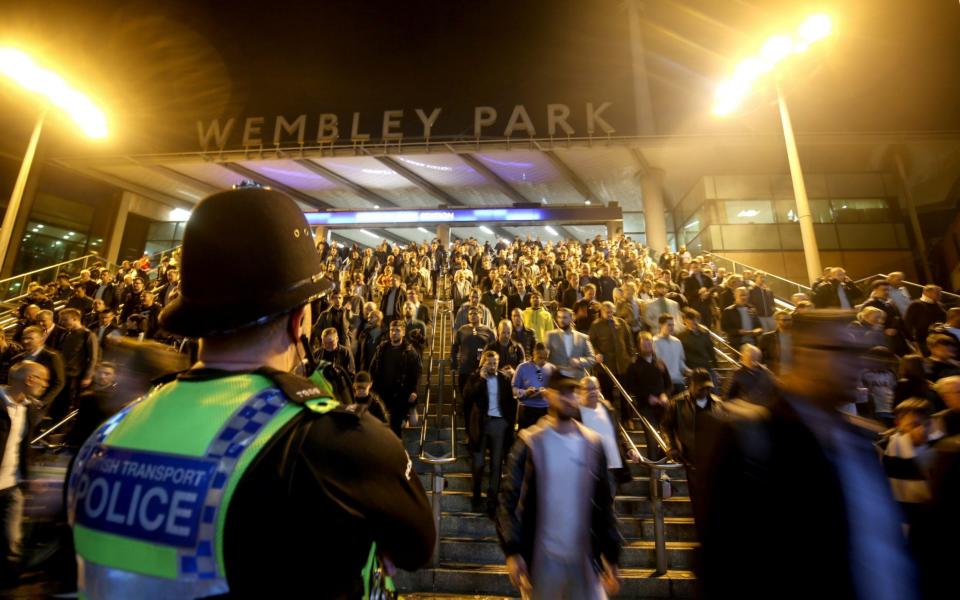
765,481
517,512
644,379
762,299
698,349
526,339
476,402
769,344
110,296
497,305
827,294
754,385
511,356
466,348
400,298
730,324
80,351
52,360
680,422
408,372
918,319
614,340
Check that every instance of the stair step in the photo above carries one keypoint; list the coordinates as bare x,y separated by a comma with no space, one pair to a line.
631,506
635,554
473,579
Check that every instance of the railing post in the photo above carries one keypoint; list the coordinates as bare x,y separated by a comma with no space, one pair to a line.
437,496
659,534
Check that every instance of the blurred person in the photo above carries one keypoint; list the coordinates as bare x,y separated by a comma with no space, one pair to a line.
739,320
63,289
598,415
421,311
463,315
508,351
86,282
879,382
391,303
496,301
893,326
799,297
908,458
605,284
520,298
649,383
868,326
898,292
149,315
941,361
490,411
951,326
800,479
536,318
107,291
416,330
27,381
612,343
921,314
630,310
8,354
369,339
96,404
762,299
80,300
237,414
105,327
132,299
586,309
396,368
752,381
521,334
332,351
364,395
168,286
528,383
28,319
777,346
669,349
468,344
52,333
837,291
81,352
556,522
914,383
569,350
659,305
336,316
698,349
35,351
92,317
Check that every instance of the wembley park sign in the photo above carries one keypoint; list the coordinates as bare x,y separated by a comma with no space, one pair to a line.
553,120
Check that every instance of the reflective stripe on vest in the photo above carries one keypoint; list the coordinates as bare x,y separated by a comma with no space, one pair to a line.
149,523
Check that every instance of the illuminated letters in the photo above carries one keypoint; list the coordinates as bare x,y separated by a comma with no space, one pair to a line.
427,121
557,114
299,125
252,128
483,116
355,135
594,118
329,129
391,119
519,120
214,131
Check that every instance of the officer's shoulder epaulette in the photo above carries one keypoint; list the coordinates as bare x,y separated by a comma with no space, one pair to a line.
297,389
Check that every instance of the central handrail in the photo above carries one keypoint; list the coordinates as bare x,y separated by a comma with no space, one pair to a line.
912,284
648,427
718,339
436,358
743,266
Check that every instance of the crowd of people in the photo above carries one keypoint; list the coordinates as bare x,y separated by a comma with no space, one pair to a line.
607,325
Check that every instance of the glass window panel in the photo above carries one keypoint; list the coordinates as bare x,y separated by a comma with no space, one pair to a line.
161,231
633,222
750,237
819,209
862,210
735,212
867,237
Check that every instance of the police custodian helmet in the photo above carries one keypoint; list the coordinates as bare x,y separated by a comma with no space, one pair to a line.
248,256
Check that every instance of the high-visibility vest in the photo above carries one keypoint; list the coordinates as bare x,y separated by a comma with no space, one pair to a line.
149,491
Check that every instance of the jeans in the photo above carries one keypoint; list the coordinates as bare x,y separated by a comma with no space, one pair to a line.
494,438
11,511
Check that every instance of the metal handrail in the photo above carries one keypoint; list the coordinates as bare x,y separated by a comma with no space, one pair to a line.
423,455
433,359
718,339
912,284
71,415
649,429
743,266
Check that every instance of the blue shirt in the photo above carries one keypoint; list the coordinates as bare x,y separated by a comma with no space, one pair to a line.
493,397
529,375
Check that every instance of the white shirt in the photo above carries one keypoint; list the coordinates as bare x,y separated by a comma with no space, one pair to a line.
493,397
670,351
568,342
10,465
565,524
598,419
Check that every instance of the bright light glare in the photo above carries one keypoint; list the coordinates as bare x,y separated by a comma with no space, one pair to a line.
551,230
486,230
373,235
730,93
16,65
422,230
179,215
815,28
776,49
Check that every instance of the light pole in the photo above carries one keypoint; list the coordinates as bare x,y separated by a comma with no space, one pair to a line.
56,92
732,92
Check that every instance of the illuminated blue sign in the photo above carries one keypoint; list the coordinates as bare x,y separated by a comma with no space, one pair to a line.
453,215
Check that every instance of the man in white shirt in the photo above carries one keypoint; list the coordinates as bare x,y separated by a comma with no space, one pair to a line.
669,349
898,293
27,381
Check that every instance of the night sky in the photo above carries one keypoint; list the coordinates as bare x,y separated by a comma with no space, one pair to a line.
159,67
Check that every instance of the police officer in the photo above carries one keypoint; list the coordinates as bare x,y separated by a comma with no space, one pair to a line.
238,477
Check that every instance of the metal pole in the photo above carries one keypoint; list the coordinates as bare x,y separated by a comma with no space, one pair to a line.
659,533
13,208
914,221
810,250
437,495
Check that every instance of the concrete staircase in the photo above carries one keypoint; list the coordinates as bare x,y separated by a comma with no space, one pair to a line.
469,562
